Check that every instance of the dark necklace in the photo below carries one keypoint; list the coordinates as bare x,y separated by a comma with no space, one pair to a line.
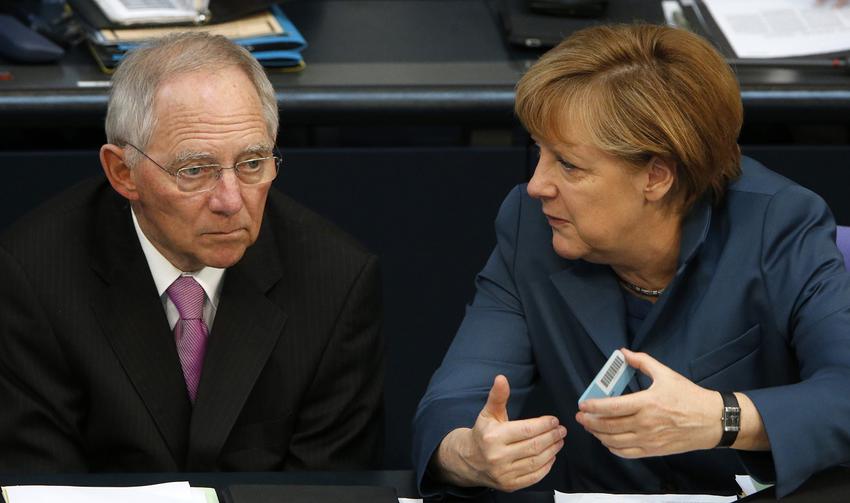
643,291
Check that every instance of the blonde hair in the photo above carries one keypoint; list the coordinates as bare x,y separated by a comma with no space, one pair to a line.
130,114
641,91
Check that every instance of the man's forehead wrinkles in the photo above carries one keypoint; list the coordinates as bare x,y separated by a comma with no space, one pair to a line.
175,127
191,133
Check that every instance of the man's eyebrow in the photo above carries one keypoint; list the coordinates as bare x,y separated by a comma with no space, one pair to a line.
258,149
192,155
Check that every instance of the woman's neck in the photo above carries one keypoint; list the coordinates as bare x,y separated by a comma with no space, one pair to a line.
653,256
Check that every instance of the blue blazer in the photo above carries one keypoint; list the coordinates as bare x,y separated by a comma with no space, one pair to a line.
760,304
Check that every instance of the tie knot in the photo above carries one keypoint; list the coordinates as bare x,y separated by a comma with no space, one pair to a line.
188,295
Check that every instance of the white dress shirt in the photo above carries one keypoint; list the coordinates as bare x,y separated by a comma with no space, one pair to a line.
164,273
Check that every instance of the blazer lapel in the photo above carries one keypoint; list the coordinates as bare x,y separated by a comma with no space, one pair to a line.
246,329
694,231
133,320
594,298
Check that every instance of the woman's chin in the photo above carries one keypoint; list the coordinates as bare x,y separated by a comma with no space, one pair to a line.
568,248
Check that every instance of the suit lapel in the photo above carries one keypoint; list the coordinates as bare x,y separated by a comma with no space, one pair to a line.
246,329
132,318
595,299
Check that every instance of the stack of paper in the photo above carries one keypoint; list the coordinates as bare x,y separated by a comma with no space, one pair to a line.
153,11
269,35
782,28
172,492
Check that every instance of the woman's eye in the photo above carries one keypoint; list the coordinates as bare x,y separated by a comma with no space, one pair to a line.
567,166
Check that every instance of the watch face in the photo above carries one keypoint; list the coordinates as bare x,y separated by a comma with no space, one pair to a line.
731,419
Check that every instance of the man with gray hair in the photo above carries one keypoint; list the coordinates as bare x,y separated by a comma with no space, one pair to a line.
180,314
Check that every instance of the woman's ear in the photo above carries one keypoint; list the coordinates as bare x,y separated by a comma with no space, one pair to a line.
661,174
117,171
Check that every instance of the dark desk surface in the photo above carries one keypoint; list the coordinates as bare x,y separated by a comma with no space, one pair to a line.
831,486
414,61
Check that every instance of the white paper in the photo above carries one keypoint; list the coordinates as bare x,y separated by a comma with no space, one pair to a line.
749,485
171,492
782,28
409,500
745,482
640,498
152,11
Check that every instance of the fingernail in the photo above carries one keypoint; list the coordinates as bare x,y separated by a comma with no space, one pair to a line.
553,422
562,431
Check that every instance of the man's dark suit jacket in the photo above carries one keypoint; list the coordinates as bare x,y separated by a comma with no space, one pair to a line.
89,374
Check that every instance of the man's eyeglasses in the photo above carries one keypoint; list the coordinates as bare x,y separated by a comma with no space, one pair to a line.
204,177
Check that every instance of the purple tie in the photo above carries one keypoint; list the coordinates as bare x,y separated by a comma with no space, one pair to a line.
190,332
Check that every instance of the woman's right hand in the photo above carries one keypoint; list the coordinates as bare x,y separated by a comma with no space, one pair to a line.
497,452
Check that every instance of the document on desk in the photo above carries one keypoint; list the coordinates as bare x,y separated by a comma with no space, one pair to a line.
782,28
640,498
172,492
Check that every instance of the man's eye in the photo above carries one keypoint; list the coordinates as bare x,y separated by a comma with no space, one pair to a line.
193,171
251,165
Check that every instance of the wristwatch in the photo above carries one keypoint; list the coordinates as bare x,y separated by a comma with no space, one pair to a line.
730,420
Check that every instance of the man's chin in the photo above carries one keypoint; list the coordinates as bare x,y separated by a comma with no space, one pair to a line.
223,259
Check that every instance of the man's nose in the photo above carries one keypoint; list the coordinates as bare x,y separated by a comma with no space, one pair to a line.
227,194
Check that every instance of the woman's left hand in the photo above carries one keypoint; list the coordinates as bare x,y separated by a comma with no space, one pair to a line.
673,415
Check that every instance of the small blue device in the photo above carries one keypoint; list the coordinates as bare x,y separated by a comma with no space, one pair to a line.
611,380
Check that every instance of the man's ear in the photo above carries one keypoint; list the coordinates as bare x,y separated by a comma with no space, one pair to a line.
118,173
660,176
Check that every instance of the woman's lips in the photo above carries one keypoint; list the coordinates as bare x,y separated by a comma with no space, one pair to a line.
555,221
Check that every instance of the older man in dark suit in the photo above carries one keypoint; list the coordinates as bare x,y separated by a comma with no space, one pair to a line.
188,317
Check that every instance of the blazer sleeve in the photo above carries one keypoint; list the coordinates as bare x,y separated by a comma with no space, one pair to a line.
41,404
808,423
340,425
492,340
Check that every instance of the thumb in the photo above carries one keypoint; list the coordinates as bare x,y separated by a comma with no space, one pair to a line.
644,363
497,401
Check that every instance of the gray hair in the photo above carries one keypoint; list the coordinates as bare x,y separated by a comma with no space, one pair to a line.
129,115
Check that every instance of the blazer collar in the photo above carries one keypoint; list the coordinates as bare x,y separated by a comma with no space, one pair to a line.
694,232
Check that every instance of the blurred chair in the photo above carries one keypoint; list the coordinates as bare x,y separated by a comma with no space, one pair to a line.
842,239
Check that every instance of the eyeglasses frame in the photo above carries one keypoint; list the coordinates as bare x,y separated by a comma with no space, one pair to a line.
176,174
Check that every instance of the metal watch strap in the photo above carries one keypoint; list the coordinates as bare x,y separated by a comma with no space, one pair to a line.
730,421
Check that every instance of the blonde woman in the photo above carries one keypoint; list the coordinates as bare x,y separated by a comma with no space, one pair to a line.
642,228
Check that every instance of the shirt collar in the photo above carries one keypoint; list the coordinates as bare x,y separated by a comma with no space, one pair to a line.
164,273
